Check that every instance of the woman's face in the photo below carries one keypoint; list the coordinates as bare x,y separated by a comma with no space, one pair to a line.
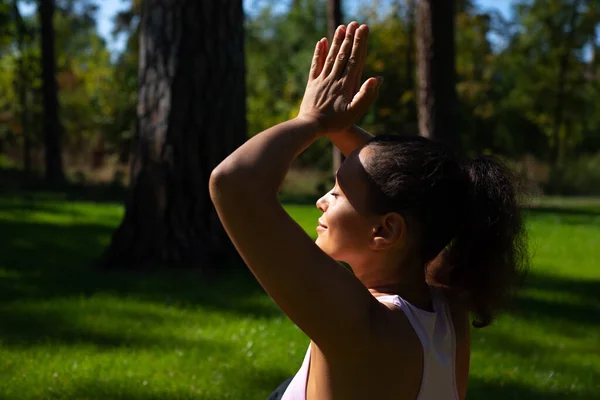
346,227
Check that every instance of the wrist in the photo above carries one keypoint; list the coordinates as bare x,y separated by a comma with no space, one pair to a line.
335,132
312,123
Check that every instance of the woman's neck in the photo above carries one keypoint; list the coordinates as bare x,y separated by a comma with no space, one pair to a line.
405,279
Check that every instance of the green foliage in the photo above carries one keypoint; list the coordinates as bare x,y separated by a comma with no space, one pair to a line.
20,70
508,94
508,88
279,49
84,77
576,177
71,332
526,79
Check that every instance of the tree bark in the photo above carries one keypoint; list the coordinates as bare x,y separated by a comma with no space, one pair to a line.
563,69
191,115
52,127
437,102
410,54
334,19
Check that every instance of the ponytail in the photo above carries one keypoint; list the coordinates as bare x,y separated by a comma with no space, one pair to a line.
488,255
466,215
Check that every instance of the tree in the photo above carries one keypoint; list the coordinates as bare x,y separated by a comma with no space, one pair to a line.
437,103
191,115
410,51
564,64
52,126
334,19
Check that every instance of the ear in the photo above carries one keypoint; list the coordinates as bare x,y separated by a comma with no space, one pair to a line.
389,233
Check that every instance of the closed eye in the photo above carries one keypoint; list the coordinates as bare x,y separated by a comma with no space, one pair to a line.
334,194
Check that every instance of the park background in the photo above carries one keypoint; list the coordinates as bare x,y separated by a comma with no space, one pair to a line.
116,280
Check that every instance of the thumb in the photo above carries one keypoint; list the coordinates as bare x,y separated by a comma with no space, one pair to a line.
366,96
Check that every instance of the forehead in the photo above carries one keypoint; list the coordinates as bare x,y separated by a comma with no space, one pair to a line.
352,179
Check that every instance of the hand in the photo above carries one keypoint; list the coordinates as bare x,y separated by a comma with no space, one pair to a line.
332,98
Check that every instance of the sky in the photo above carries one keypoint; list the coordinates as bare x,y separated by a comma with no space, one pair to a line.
108,9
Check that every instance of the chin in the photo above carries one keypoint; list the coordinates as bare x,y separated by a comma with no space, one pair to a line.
326,249
322,245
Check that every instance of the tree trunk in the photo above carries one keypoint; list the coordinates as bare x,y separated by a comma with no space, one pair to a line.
334,19
22,89
437,101
563,69
52,126
191,115
409,58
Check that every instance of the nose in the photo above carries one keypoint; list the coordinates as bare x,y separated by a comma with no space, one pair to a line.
322,204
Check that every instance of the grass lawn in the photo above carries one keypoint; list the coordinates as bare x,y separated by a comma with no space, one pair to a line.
72,332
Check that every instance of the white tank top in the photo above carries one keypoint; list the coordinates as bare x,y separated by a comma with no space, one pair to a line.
436,333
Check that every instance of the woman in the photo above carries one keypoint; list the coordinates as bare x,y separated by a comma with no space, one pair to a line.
429,240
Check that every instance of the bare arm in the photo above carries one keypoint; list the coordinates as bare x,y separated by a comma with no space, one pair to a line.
321,296
350,139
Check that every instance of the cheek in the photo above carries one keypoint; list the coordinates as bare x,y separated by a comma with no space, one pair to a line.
346,231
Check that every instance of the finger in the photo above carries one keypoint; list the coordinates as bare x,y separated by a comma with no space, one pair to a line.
364,33
344,54
336,42
366,96
318,61
353,65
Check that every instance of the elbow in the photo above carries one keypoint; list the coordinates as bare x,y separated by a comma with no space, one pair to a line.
224,182
218,182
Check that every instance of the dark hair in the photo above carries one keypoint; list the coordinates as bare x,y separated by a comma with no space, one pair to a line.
466,214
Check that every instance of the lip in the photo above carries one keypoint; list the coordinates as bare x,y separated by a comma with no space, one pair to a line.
322,225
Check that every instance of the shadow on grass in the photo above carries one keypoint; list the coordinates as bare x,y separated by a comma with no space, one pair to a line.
568,310
246,386
526,348
507,390
23,205
44,261
64,324
583,307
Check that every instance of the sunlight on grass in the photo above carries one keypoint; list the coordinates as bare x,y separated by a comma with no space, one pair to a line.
72,332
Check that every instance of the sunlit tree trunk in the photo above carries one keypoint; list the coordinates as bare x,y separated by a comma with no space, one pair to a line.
191,113
437,102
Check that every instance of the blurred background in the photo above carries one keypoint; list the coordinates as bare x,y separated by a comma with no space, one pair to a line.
114,267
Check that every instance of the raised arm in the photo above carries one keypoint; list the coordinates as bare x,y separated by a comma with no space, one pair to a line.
321,296
350,139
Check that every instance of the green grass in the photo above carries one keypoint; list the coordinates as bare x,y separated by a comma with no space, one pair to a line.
69,331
